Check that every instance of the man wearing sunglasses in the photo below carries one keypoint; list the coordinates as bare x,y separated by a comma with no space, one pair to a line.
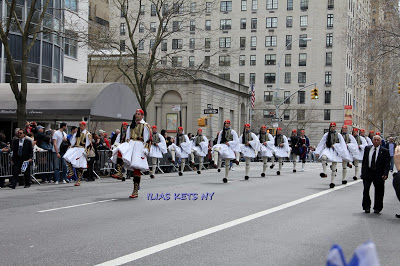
22,151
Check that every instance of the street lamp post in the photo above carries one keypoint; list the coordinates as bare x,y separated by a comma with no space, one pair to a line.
278,71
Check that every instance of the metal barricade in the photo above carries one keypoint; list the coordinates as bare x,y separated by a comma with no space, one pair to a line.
104,162
5,164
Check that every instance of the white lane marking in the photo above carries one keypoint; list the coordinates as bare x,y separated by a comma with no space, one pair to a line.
73,206
157,248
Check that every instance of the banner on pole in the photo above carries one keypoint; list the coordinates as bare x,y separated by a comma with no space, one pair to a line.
348,115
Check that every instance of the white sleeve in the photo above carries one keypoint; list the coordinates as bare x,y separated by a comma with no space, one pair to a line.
128,133
321,144
73,140
219,137
146,134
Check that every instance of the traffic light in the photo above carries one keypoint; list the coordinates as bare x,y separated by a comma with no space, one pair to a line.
314,93
202,122
398,87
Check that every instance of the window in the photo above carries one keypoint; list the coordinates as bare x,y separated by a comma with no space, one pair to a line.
153,27
252,78
303,4
164,60
241,78
272,4
165,26
253,41
207,43
122,29
289,21
177,61
121,45
153,11
328,59
269,78
177,44
254,5
302,77
152,42
70,80
176,25
71,44
191,61
286,95
302,59
288,59
123,11
328,77
252,60
242,60
208,25
178,8
243,23
225,24
301,97
327,96
270,41
301,113
327,114
289,4
207,61
270,59
242,42
268,96
192,43
141,45
226,6
329,40
268,113
164,45
286,115
193,7
225,42
192,25
288,42
226,76
288,77
253,23
244,5
330,4
329,22
303,21
302,43
142,9
224,60
272,22
71,5
208,7
165,9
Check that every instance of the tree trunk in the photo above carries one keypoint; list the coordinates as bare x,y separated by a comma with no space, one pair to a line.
21,111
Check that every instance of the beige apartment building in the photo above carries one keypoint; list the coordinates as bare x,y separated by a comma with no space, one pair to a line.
287,44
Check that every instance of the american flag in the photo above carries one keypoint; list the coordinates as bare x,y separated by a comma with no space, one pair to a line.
253,95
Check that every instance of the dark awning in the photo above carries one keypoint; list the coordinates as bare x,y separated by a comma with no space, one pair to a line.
72,101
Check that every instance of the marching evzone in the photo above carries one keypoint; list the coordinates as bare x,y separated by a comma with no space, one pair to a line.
267,148
282,148
295,149
135,149
367,139
346,162
199,148
249,146
332,148
370,137
121,138
356,148
75,156
226,147
157,149
303,143
181,149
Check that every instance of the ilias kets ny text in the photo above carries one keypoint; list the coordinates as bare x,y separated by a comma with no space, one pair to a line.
180,196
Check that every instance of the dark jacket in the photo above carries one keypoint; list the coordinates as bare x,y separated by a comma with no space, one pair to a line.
382,164
27,150
387,145
293,143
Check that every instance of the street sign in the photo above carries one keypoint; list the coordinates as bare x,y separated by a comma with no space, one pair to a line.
276,119
209,106
176,107
210,111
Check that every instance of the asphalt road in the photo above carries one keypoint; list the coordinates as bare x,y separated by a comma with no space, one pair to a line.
291,219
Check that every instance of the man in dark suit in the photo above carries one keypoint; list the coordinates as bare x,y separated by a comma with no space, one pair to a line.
22,151
396,176
375,169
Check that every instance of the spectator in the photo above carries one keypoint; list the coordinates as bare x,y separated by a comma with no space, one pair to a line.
22,151
47,146
93,156
29,136
106,141
16,133
114,137
39,135
391,146
33,127
58,138
74,129
101,145
3,149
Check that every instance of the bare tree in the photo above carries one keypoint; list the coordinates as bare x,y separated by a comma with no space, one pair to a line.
28,27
